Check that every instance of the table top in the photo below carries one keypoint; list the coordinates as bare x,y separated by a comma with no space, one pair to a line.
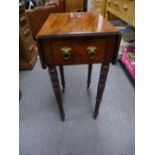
75,23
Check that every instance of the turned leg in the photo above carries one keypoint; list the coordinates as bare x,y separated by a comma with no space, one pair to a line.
89,75
56,88
101,86
62,77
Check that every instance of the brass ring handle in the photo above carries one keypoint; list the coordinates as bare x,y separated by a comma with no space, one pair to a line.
91,51
66,52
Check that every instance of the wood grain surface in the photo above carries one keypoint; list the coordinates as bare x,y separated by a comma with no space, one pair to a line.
75,23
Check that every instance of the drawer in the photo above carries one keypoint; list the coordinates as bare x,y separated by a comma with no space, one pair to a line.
23,24
117,4
31,48
28,40
33,52
110,3
65,52
128,8
29,43
96,4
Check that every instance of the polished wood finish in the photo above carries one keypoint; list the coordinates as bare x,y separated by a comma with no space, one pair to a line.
93,29
67,24
56,88
101,86
123,9
27,50
78,53
78,38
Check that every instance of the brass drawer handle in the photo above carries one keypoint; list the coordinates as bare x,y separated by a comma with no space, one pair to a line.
66,52
125,7
109,1
91,51
116,4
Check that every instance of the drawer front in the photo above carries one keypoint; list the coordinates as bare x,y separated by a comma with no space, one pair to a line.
110,3
29,42
98,6
66,52
115,4
128,8
24,26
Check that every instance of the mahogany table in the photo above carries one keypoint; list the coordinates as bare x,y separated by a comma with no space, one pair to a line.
77,38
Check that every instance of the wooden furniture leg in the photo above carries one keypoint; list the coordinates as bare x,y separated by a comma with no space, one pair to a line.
56,89
85,5
89,75
101,86
62,77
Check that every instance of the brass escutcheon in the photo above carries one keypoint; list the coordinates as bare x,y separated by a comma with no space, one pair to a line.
66,52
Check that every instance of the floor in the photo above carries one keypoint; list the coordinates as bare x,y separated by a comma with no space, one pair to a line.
43,133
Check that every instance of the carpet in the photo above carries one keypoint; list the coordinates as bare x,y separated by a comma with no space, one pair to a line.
43,133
